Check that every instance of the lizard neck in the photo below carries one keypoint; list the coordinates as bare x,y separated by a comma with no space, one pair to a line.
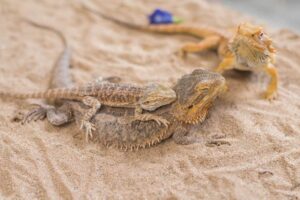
247,56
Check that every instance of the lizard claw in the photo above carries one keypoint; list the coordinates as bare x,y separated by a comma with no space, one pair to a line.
157,119
160,121
88,128
270,95
35,114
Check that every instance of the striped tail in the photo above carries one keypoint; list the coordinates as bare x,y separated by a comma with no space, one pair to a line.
57,93
199,32
114,20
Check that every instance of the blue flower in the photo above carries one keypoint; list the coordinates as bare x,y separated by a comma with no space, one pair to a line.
162,17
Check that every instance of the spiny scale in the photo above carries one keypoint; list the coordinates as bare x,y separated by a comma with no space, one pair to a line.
135,147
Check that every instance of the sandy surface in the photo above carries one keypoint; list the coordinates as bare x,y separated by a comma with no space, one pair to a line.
39,161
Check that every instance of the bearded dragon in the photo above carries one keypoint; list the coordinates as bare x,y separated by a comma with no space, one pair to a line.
250,49
116,127
195,94
95,94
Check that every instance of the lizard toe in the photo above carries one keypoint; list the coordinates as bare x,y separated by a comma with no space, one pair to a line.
35,114
88,128
270,95
163,121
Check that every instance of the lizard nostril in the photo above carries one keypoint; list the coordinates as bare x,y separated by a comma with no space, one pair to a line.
191,106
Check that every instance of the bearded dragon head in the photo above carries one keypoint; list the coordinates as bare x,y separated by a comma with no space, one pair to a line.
195,94
256,36
252,44
155,96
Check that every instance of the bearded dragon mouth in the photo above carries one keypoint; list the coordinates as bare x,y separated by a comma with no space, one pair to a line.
197,111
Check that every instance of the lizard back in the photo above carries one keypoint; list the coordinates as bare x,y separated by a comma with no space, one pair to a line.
111,94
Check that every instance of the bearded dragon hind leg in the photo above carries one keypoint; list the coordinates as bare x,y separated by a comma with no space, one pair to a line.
56,116
86,125
205,44
271,92
226,64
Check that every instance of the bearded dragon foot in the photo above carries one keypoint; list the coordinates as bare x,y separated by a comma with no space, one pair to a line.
37,113
88,128
271,92
148,117
270,95
86,125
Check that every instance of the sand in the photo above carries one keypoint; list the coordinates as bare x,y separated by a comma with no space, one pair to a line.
40,161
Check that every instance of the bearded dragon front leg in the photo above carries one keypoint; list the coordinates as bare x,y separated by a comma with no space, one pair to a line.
272,87
138,115
85,123
226,64
207,43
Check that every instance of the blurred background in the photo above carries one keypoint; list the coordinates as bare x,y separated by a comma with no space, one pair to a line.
278,13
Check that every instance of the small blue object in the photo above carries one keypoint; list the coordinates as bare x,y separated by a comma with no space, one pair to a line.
162,17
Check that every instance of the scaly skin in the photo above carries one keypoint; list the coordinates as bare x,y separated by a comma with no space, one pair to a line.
245,51
195,95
